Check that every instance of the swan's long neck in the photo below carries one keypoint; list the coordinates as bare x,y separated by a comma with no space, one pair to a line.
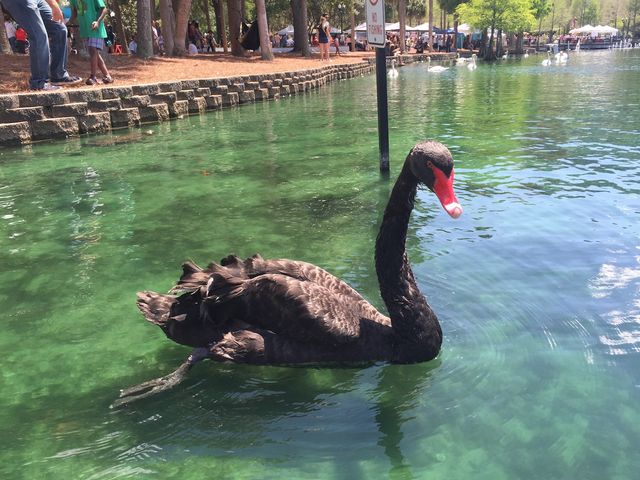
413,321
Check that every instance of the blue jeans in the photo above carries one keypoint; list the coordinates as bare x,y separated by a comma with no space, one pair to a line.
35,17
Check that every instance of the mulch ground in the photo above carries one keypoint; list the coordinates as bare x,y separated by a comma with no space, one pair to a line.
130,70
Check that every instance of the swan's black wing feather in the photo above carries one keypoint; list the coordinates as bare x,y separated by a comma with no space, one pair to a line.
300,310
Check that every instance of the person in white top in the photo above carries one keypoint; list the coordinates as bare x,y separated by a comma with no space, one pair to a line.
10,28
193,50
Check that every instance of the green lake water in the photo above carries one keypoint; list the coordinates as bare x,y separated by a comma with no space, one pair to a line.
537,285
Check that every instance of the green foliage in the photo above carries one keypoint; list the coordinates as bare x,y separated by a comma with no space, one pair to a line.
540,8
507,15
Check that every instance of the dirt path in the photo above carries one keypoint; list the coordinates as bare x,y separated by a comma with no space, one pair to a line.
128,70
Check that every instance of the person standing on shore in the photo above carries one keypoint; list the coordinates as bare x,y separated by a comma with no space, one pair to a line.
90,15
324,35
43,20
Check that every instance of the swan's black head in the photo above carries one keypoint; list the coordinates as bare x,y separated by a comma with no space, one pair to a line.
432,164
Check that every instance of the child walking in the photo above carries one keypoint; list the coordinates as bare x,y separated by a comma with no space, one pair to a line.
90,16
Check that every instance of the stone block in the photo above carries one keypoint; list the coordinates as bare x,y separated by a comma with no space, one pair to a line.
246,96
105,105
266,83
85,95
24,114
54,128
41,99
221,90
284,90
116,92
261,94
136,101
251,85
154,113
214,102
236,87
94,122
209,83
170,86
189,84
149,89
229,99
15,133
179,108
165,97
9,101
274,92
125,117
197,105
202,91
186,95
70,110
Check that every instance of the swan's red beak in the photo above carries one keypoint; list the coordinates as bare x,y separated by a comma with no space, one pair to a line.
443,188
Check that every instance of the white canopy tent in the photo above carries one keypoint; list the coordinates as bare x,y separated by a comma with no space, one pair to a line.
605,30
288,30
597,30
423,27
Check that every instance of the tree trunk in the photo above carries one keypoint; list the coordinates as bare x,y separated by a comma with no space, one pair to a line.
168,25
143,35
221,30
235,18
207,16
430,24
553,16
263,29
5,46
352,21
182,10
152,10
402,17
121,36
300,34
454,45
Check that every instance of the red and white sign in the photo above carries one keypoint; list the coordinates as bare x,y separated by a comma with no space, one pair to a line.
376,36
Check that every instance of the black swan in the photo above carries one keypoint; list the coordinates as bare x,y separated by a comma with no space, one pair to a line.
285,312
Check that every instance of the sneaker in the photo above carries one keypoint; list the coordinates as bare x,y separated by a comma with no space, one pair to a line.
68,81
47,87
91,81
107,79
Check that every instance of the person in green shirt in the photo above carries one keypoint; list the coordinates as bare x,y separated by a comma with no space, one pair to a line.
90,17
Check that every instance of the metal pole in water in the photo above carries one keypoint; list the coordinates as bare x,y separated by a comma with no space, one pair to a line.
383,112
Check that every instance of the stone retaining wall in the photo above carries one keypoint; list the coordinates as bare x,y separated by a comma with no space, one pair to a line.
29,117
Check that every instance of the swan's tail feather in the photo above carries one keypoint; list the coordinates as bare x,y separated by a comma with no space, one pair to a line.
224,286
192,278
155,307
231,261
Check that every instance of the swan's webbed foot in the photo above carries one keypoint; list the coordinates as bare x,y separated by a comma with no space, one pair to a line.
157,385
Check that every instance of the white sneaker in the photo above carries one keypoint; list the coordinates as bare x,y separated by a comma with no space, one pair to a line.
47,87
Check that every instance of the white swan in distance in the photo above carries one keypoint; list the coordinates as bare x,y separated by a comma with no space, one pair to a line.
460,60
435,69
547,61
506,56
472,65
393,73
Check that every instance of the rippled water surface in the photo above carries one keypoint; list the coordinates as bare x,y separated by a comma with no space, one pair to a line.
537,285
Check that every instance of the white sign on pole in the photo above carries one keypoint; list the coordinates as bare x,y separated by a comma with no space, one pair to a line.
375,23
